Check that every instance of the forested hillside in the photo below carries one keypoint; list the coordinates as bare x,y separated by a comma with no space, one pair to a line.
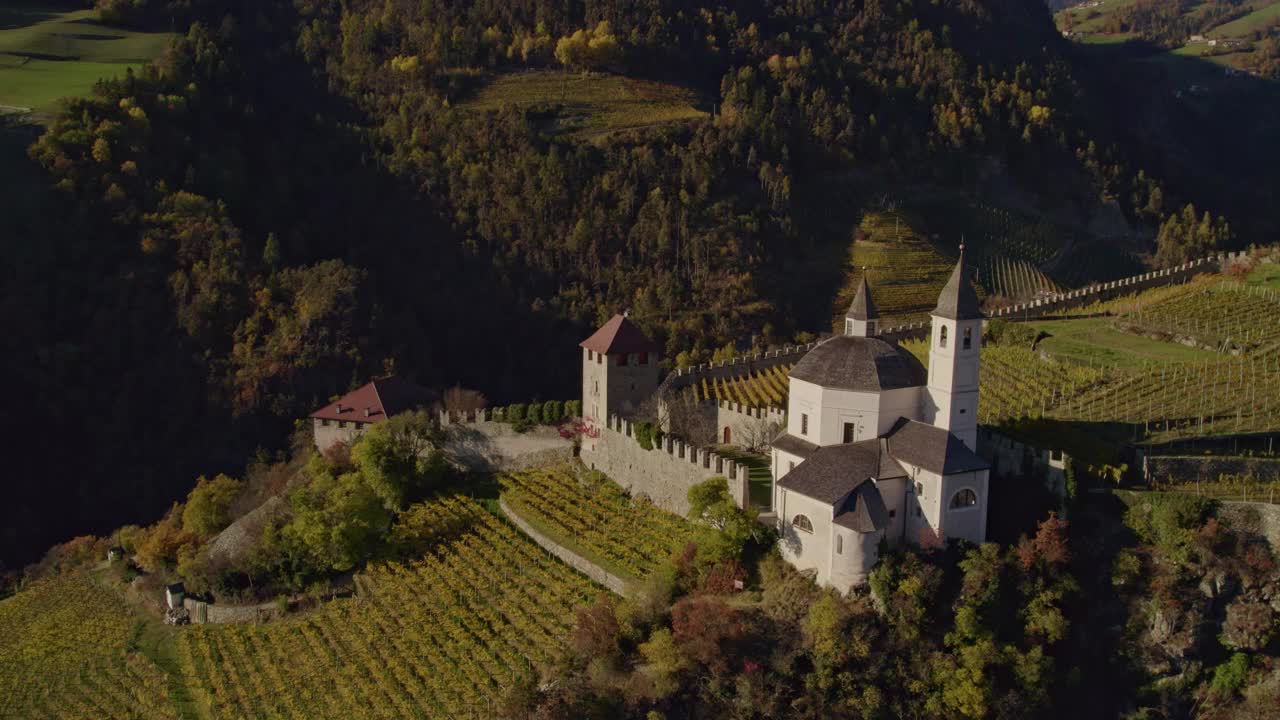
300,194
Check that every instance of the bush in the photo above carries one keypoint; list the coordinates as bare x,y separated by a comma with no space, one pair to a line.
573,408
515,413
644,435
552,411
1003,332
533,413
1167,521
1231,676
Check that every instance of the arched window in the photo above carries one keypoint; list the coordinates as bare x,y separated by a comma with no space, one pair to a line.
942,337
966,498
839,544
800,522
968,338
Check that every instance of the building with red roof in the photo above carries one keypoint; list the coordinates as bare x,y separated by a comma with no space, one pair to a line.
346,418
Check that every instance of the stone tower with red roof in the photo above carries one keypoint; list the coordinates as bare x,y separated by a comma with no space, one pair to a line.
619,370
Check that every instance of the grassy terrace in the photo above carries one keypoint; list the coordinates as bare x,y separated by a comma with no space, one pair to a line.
1095,341
48,53
592,104
759,476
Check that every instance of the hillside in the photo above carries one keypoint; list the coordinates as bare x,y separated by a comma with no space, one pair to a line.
301,194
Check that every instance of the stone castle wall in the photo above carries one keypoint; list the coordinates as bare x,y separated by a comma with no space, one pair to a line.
665,473
1097,292
681,378
746,423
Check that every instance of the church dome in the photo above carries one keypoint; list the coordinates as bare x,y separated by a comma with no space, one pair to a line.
861,364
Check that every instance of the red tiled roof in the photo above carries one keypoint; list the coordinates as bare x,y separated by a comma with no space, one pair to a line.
620,335
377,401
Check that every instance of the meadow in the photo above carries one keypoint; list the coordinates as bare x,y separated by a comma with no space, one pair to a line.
1266,15
48,52
589,104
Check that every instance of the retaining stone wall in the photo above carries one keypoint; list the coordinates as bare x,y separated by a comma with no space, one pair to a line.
666,472
1160,468
1257,518
202,612
487,446
569,557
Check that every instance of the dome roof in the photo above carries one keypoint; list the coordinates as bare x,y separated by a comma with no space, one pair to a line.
864,364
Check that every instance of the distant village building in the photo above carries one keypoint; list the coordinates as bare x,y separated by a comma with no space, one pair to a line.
347,418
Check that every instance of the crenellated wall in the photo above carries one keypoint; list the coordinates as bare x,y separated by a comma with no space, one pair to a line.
665,473
684,377
1032,309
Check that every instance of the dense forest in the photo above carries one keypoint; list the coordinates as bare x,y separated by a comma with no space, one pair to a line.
295,197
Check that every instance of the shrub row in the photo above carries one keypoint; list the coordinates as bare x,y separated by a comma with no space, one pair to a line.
545,413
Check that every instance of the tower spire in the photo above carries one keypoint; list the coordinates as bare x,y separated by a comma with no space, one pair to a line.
861,319
958,300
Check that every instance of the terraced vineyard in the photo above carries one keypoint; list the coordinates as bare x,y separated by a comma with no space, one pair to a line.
1182,400
994,233
439,637
905,270
65,652
1218,314
754,388
1015,279
1017,383
593,518
1168,401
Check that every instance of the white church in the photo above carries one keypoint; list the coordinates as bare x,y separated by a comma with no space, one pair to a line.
876,447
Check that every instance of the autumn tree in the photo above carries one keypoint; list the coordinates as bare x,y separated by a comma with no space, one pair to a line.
208,506
400,458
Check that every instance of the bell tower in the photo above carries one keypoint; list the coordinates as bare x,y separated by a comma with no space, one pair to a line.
956,337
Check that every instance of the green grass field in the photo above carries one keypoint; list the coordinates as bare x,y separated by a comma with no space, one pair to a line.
1090,20
1259,19
47,54
1266,275
590,104
1094,341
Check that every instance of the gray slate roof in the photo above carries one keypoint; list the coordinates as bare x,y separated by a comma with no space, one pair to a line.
931,448
859,364
831,472
787,442
958,300
862,307
863,510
